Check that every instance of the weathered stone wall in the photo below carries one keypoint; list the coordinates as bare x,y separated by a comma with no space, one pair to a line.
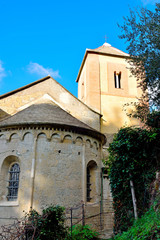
52,168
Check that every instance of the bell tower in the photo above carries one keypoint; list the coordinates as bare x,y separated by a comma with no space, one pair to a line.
105,84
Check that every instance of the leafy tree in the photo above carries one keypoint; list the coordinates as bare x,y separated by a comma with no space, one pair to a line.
141,30
132,157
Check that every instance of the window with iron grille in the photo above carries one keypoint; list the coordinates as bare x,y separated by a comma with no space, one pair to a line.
13,182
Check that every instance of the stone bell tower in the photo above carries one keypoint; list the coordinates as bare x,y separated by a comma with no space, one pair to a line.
105,84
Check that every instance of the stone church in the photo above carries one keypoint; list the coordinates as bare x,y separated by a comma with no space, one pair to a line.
52,143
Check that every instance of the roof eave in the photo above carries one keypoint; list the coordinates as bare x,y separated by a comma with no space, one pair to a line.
39,81
83,61
100,53
24,87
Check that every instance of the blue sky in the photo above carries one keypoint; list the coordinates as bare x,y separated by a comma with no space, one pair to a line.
38,38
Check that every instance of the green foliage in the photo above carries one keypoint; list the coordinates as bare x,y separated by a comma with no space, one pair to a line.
132,156
84,232
48,225
153,119
145,228
141,30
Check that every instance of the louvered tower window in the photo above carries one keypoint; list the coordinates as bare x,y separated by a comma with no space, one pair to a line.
117,79
13,182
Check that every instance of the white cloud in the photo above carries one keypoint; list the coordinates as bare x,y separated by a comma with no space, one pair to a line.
2,71
41,71
146,2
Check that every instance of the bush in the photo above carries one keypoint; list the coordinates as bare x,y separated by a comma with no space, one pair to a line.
80,232
46,226
49,225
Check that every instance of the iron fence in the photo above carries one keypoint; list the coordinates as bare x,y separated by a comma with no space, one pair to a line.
95,214
90,213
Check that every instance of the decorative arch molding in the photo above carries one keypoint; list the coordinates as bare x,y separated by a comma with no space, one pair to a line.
41,134
2,136
56,137
51,133
95,145
79,140
25,134
28,141
92,143
88,143
67,138
14,135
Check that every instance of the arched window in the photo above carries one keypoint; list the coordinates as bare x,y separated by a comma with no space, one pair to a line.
88,185
91,181
13,182
117,79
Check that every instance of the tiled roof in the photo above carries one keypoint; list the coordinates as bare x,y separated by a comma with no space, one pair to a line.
49,115
105,49
108,49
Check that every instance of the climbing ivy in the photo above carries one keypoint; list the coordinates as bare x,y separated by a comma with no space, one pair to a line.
153,119
132,156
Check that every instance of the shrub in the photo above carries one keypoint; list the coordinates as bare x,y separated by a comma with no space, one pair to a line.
46,226
49,225
80,232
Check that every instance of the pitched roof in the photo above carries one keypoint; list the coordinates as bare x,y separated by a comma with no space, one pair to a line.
24,87
39,81
49,115
105,49
109,50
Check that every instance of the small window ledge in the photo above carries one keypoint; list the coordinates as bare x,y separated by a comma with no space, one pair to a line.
9,204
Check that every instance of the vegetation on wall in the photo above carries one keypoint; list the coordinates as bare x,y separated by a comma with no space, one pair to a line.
132,158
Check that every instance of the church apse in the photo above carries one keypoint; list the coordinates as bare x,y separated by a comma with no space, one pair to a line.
52,158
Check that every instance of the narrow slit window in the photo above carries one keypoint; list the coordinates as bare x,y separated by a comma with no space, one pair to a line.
91,183
117,79
13,185
88,185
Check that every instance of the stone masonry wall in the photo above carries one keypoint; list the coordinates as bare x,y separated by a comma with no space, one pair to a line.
52,168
